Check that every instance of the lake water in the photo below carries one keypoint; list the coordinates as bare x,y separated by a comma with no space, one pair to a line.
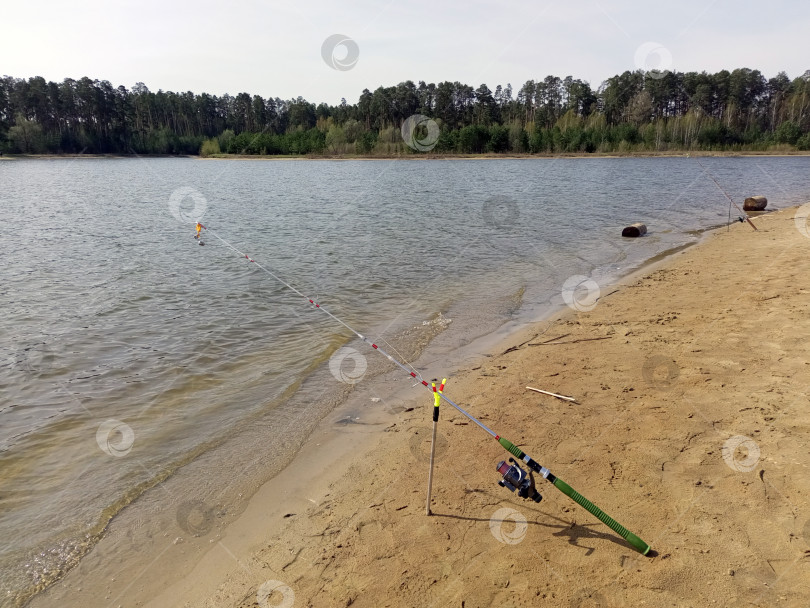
130,355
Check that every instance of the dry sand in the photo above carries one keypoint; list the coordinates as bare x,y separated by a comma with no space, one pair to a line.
704,352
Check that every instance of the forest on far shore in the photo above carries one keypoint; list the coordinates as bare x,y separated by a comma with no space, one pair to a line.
634,112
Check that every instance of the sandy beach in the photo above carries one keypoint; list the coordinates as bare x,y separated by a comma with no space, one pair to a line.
689,428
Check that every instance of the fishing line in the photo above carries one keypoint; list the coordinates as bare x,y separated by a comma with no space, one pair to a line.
514,478
412,372
744,215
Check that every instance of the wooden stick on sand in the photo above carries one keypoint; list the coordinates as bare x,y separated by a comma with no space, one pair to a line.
537,390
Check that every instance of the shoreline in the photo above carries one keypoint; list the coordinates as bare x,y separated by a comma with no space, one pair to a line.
343,446
425,156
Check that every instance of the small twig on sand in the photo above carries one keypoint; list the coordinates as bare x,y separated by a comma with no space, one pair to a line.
563,397
514,348
568,342
550,340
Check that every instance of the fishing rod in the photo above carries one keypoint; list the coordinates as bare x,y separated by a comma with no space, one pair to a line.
514,478
744,215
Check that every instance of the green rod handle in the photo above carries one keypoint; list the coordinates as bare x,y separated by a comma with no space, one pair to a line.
606,519
578,498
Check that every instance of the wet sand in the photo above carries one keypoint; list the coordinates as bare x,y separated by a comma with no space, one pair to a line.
690,428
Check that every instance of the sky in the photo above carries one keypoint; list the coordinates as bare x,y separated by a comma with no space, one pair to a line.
287,49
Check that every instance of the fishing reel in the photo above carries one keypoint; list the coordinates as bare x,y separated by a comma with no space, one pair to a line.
516,479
